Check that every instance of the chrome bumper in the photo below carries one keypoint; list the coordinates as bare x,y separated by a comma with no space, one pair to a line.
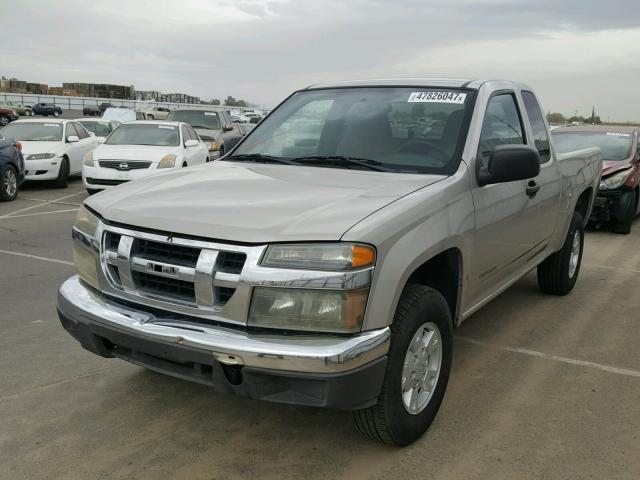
296,353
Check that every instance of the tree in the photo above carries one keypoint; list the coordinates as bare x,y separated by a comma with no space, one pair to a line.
555,117
215,101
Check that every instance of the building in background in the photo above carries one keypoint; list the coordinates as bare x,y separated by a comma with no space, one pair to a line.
100,90
181,98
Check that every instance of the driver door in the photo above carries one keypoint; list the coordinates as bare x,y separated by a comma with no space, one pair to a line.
507,233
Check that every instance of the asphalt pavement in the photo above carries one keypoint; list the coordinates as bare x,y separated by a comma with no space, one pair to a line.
542,387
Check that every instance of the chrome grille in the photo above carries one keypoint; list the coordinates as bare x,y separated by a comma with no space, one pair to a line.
124,164
178,271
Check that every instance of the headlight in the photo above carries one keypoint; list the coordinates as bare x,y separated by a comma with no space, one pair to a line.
213,146
329,256
85,254
310,310
167,161
40,156
615,181
88,159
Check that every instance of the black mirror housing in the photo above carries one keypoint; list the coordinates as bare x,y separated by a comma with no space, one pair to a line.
509,163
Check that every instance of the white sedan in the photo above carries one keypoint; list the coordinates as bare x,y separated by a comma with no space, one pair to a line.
52,149
139,149
99,127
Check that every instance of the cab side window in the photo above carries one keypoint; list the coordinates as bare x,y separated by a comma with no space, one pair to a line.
501,126
540,135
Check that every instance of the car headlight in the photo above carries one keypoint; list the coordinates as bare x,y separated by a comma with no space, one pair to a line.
615,181
213,146
40,156
320,256
309,310
85,250
88,159
167,161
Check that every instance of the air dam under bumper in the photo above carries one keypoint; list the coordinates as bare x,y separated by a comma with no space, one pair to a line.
315,370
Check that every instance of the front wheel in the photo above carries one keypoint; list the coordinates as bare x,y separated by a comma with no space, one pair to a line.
4,120
8,183
150,117
558,273
418,366
63,174
56,113
627,208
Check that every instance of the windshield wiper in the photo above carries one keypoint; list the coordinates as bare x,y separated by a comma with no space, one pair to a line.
342,161
259,158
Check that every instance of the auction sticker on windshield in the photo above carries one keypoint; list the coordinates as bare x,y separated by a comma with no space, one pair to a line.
437,97
167,127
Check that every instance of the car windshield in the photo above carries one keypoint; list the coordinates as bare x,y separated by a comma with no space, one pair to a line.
615,146
145,134
197,119
410,130
100,129
34,132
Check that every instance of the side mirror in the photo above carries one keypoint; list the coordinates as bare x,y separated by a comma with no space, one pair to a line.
227,128
508,163
191,143
73,139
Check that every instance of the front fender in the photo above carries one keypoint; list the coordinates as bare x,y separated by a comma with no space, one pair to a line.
409,232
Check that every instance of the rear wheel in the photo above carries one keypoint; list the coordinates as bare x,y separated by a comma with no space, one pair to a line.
63,174
418,367
558,274
56,113
8,183
628,208
150,117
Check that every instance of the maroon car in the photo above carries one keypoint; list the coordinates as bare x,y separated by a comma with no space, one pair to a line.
7,115
618,199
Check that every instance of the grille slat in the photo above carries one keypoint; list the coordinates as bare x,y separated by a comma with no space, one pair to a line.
119,164
167,270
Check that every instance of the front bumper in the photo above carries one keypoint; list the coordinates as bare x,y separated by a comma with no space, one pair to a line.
317,370
99,178
46,169
606,206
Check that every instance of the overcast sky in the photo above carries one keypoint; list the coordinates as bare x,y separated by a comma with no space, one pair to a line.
575,53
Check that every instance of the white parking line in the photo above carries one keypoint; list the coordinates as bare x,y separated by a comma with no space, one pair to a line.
42,213
36,257
41,204
624,269
572,361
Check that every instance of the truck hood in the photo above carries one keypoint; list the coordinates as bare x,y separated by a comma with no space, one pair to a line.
132,152
609,167
255,203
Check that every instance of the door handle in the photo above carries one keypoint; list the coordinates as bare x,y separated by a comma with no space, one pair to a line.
532,189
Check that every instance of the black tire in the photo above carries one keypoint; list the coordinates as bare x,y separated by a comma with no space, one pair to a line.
388,421
150,117
628,209
8,183
4,120
56,113
554,274
63,174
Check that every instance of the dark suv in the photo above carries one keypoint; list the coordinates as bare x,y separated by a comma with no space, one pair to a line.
213,126
46,109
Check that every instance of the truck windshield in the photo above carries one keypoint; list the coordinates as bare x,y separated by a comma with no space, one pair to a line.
34,132
409,130
145,134
196,119
615,146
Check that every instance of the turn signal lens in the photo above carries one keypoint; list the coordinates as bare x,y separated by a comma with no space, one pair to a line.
320,256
